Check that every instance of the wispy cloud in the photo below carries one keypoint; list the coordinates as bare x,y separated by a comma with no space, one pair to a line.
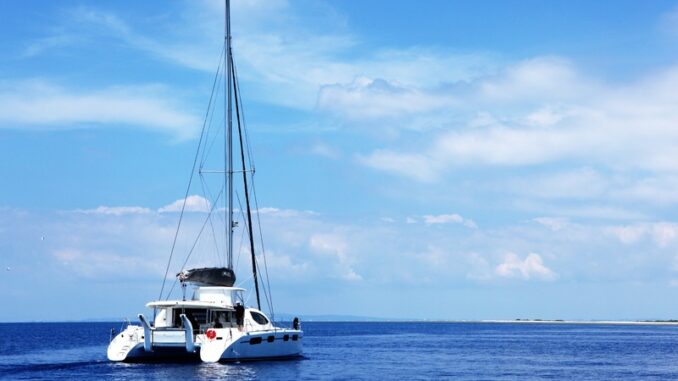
378,99
661,233
448,218
37,47
324,150
116,210
554,133
284,62
182,52
601,124
41,104
119,245
337,246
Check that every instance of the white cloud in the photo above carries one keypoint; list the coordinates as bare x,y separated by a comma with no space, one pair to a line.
278,212
434,256
37,47
324,150
628,234
661,233
416,166
658,189
584,118
194,203
664,233
336,246
282,60
192,55
311,248
285,264
378,98
539,78
97,264
40,104
479,267
546,117
592,210
530,267
448,218
553,223
116,210
582,183
559,135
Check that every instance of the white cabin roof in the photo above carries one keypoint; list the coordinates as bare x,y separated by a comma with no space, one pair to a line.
203,297
189,304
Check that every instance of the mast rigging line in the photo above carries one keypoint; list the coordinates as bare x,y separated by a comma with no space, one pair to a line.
232,88
250,158
208,145
247,195
197,238
206,191
190,180
242,215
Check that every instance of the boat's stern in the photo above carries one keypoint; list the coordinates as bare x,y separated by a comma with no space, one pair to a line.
125,342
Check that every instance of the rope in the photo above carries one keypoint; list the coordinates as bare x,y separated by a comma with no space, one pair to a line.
250,160
197,238
190,180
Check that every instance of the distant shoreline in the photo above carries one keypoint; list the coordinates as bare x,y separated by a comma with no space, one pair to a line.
585,322
373,320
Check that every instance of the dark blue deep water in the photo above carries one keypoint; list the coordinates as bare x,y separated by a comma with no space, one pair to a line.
404,351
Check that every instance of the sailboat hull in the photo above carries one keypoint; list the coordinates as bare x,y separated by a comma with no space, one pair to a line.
128,346
253,346
228,345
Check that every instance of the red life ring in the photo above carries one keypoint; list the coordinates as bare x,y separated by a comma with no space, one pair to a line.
211,334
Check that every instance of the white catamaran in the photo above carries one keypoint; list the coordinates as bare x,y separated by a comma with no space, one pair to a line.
214,324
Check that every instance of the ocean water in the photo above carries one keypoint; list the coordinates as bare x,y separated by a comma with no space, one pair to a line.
367,351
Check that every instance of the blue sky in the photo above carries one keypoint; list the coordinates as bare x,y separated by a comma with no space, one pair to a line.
430,160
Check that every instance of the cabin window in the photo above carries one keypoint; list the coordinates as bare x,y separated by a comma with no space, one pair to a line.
197,317
286,338
295,337
270,339
255,340
222,319
259,318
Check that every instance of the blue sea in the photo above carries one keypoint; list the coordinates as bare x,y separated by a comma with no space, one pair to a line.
368,351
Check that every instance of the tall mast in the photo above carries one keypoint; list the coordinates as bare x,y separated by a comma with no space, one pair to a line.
231,87
228,149
250,228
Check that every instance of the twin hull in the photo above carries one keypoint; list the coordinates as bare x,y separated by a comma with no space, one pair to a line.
228,344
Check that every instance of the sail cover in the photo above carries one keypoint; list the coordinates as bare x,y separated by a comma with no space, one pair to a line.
209,276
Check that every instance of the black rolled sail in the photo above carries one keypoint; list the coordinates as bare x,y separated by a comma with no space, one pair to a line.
209,276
